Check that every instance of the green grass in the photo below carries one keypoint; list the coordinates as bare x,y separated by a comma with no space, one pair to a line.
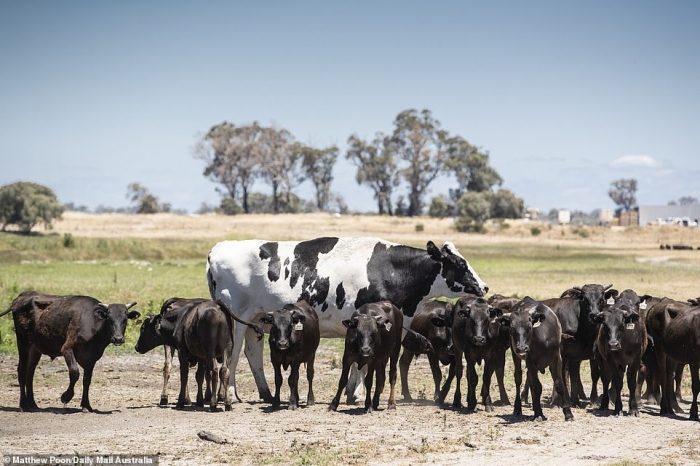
149,271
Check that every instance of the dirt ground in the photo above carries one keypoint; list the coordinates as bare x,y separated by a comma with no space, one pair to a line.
126,387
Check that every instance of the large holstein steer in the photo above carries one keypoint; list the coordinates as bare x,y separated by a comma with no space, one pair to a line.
294,338
573,309
336,276
621,342
478,338
372,339
79,328
675,330
433,320
202,333
535,337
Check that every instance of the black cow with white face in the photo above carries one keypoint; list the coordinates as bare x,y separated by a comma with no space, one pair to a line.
373,339
79,328
476,336
294,338
535,337
336,276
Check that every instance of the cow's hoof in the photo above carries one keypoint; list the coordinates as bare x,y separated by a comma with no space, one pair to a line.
188,401
163,401
634,412
407,397
180,406
310,403
66,397
199,404
540,418
87,409
292,407
488,408
351,400
227,407
332,407
215,409
368,410
391,406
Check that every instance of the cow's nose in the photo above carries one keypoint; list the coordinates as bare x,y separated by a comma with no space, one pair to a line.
451,350
366,350
283,344
614,346
522,349
478,341
486,290
118,340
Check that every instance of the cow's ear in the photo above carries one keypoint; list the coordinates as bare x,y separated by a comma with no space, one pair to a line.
438,321
133,315
433,251
495,312
267,319
574,292
100,311
611,294
631,316
298,317
644,298
503,320
381,321
350,323
538,317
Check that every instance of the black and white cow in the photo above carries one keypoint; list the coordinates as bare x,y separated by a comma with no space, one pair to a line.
335,276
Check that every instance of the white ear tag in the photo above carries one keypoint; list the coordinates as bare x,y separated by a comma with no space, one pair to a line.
298,326
387,326
610,301
537,324
643,305
630,326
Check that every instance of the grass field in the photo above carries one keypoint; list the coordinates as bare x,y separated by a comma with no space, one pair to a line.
150,270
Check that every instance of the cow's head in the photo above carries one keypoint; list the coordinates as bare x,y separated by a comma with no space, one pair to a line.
115,317
149,334
456,271
478,316
615,320
592,297
524,317
440,333
364,334
287,326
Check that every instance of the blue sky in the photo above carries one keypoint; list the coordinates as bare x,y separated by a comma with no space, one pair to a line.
565,96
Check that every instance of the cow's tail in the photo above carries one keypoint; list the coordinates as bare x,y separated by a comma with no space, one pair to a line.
228,311
6,312
414,341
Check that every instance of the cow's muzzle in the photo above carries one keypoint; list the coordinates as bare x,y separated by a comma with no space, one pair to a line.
479,341
283,345
614,346
118,341
366,351
522,350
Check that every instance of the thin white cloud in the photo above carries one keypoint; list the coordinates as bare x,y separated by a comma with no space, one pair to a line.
645,161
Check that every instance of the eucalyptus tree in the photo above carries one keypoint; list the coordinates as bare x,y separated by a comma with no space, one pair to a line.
376,168
318,166
280,166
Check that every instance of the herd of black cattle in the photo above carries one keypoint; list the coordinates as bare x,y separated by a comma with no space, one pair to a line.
648,339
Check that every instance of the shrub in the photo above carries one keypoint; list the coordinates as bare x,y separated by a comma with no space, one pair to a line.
419,227
535,231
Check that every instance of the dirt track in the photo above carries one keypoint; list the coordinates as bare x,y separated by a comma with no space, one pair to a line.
126,389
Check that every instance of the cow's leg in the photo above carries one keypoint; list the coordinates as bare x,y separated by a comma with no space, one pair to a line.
381,381
369,379
577,393
679,381
695,377
184,372
277,367
595,376
293,382
393,375
87,379
605,378
459,370
617,373
404,364
341,383
518,377
632,371
472,381
353,391
199,377
525,392
223,381
536,392
310,398
486,385
254,353
167,367
213,369
73,375
500,361
26,394
555,370
238,336
437,376
448,383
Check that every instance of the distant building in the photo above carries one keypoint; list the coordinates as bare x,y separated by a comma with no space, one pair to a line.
663,214
564,217
606,217
629,218
532,213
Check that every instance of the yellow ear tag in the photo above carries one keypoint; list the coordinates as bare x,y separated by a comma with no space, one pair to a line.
298,326
630,326
387,326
